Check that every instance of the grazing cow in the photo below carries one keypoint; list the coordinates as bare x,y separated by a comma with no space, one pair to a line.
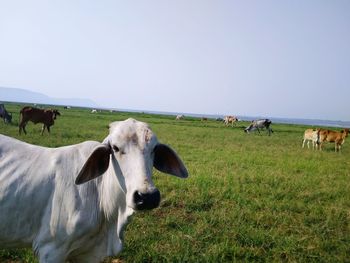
230,119
311,135
73,203
5,114
255,125
333,136
93,111
180,117
204,119
47,117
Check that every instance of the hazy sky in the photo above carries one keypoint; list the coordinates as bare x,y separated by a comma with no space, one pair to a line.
254,58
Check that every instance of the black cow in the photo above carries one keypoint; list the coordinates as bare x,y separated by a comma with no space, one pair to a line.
4,114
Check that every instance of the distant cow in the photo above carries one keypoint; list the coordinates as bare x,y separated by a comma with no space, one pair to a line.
5,114
93,111
180,117
333,136
311,135
45,116
230,119
259,124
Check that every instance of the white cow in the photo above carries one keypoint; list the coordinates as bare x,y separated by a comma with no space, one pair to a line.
313,136
262,123
56,201
180,117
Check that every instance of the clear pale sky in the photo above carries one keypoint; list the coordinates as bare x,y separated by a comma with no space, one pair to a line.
254,58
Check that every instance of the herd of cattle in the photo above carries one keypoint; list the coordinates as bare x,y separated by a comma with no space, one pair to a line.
255,125
48,116
84,194
317,136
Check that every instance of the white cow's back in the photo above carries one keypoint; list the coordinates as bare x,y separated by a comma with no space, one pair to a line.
33,192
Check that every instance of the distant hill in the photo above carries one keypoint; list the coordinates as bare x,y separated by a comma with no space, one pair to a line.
27,96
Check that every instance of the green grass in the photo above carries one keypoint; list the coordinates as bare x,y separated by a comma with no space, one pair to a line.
248,198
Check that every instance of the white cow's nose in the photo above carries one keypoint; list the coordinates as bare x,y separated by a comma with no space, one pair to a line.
146,201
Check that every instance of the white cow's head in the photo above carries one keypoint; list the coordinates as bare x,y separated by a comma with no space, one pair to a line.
132,149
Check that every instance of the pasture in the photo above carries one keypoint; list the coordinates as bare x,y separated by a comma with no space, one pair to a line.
249,197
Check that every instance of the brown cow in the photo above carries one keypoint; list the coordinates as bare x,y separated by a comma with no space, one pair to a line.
35,115
333,136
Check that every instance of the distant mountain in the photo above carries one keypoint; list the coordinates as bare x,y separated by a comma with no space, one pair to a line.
27,96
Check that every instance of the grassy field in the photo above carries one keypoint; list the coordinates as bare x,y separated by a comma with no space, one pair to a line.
248,198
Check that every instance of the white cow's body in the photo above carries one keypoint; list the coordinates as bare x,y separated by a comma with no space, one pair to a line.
311,135
38,193
42,207
256,124
180,117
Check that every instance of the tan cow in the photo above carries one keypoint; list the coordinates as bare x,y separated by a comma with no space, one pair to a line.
311,135
230,119
333,136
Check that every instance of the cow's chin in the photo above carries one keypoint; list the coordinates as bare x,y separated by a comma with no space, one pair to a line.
145,201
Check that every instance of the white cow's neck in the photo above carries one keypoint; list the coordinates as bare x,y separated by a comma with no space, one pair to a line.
113,193
113,206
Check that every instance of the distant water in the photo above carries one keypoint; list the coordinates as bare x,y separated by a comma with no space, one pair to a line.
310,122
321,123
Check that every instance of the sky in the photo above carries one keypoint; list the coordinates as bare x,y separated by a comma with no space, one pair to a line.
288,59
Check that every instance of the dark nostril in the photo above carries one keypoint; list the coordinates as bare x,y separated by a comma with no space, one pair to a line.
147,200
138,198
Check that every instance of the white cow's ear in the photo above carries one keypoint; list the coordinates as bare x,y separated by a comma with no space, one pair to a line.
167,161
96,164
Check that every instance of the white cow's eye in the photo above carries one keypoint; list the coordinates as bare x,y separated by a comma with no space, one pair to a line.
115,148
